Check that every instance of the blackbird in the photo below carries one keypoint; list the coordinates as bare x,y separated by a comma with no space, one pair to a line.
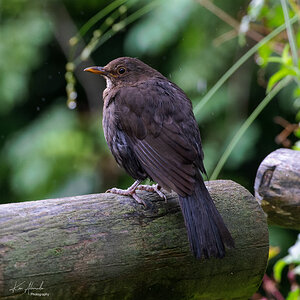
151,131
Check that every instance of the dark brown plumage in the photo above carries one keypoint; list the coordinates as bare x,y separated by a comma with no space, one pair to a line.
151,130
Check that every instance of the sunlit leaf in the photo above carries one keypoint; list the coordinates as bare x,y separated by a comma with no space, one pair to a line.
278,268
292,257
297,33
264,53
255,8
296,92
275,78
298,116
296,146
297,132
273,251
294,295
286,57
274,16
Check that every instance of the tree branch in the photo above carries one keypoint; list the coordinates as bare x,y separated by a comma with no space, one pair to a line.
106,246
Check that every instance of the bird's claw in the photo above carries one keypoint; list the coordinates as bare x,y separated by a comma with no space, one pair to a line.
155,188
128,192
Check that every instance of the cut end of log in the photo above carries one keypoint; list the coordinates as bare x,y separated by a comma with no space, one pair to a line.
277,188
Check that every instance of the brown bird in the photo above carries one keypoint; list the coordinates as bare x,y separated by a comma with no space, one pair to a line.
151,131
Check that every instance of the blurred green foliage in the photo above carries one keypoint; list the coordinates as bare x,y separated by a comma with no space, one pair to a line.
22,41
282,52
293,258
59,156
160,28
180,38
47,150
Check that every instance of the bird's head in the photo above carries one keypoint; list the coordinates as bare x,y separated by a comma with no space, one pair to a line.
124,71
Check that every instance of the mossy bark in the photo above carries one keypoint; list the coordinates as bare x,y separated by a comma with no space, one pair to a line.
105,246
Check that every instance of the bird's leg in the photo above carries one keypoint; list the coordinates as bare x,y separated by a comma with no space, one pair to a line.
155,188
129,192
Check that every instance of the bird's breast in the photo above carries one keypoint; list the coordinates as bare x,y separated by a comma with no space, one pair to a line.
108,121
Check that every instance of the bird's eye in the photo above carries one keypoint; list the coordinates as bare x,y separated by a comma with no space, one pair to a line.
121,70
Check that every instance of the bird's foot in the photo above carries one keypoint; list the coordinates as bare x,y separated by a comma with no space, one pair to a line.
154,188
129,192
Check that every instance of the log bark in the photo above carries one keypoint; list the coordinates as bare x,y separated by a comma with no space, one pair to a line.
277,188
104,246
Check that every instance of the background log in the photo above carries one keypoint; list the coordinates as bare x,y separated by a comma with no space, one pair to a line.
277,188
105,246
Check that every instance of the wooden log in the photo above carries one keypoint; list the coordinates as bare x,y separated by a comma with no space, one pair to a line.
277,188
105,246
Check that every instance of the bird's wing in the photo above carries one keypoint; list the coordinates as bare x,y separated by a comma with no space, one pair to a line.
159,122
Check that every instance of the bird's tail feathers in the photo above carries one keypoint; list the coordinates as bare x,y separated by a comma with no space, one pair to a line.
206,229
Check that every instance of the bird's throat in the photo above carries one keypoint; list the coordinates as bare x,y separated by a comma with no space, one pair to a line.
108,83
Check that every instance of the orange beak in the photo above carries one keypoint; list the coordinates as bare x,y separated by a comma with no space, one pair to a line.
96,70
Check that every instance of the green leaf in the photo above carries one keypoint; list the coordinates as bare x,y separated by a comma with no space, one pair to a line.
273,251
298,38
275,59
254,9
297,133
278,76
278,267
296,92
264,53
286,58
298,116
274,16
294,295
297,147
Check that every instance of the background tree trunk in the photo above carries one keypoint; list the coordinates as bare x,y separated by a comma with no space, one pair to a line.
105,246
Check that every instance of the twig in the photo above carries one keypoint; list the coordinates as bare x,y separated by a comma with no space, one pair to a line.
282,137
224,37
270,287
292,279
220,13
64,29
228,19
